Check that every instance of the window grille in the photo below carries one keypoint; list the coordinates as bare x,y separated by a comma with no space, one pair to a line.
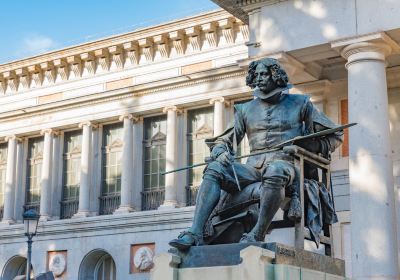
111,168
200,127
34,173
155,131
71,173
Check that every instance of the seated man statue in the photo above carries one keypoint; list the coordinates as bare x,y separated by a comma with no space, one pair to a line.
273,117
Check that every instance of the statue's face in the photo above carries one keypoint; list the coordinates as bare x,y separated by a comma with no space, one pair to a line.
263,79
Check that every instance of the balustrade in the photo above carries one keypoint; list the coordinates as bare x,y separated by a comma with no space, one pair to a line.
69,208
151,200
109,203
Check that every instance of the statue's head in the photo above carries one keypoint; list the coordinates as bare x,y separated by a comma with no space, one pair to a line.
266,76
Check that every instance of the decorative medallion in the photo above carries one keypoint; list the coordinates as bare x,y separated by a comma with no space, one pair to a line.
143,258
57,264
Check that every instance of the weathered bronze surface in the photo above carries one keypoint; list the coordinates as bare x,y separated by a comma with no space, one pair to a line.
237,202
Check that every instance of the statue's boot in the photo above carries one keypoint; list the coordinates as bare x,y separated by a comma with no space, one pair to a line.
207,199
271,197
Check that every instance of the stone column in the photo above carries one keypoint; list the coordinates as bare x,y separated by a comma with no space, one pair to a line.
45,181
373,223
219,114
84,188
171,199
10,186
127,166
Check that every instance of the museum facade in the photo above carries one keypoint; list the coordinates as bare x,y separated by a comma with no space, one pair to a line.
86,131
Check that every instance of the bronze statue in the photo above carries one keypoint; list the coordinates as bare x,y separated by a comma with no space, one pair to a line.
273,117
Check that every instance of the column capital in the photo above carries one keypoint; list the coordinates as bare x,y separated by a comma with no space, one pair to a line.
12,137
172,108
132,117
87,123
219,99
50,131
375,46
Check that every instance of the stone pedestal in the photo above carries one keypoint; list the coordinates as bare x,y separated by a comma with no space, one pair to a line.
261,261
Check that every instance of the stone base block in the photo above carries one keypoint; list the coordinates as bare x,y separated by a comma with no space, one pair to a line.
263,261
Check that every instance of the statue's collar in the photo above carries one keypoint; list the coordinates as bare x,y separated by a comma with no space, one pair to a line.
258,93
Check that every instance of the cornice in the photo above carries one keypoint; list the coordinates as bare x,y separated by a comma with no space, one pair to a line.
127,92
123,51
133,222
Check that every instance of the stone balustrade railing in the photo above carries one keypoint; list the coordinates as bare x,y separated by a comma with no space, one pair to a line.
191,35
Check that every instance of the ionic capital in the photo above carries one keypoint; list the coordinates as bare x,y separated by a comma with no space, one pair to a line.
172,108
134,119
12,138
49,131
125,116
88,123
376,46
219,99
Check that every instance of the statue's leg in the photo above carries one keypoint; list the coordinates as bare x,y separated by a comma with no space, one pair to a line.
207,199
216,177
276,177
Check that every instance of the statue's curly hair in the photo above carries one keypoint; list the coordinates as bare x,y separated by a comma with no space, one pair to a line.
279,75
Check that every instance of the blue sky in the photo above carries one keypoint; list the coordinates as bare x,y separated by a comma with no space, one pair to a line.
32,27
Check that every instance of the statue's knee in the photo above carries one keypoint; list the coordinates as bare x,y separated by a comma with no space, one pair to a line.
277,174
214,171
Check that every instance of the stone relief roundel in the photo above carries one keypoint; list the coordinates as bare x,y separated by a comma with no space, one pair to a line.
143,259
57,264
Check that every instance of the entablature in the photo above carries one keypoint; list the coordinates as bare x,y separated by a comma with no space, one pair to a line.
192,35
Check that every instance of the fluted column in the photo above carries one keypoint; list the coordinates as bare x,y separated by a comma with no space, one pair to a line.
171,198
373,223
10,186
127,165
84,188
219,114
45,181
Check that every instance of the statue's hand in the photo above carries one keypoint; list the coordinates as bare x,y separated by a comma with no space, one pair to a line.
217,151
226,158
311,145
222,155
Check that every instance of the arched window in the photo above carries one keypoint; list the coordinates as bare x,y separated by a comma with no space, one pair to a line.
105,269
97,265
15,268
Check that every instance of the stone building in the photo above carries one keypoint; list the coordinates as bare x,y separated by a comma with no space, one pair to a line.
85,131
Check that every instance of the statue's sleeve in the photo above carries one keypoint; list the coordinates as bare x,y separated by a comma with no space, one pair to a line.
332,141
307,116
233,134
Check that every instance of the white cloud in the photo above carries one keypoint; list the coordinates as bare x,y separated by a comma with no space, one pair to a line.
36,44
